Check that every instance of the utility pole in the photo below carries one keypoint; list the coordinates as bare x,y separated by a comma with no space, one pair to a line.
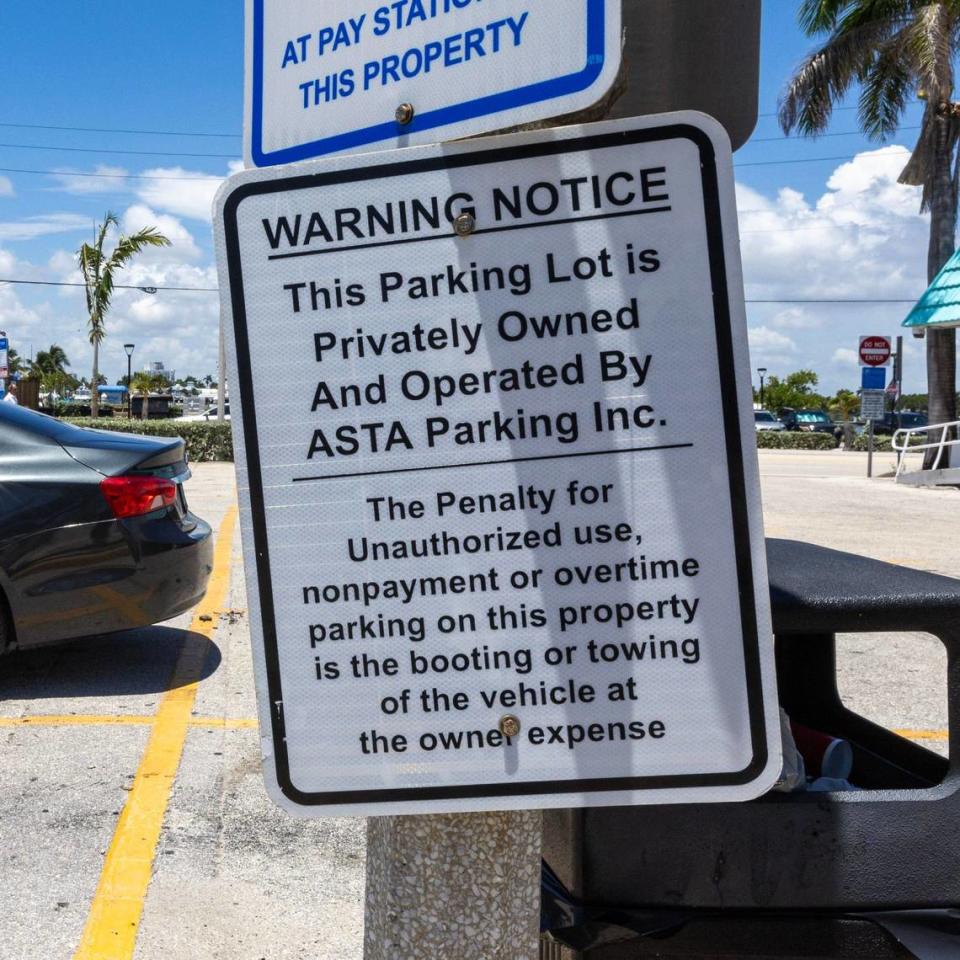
898,378
221,374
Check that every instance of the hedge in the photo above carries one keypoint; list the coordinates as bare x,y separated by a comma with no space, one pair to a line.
205,440
794,440
884,444
213,441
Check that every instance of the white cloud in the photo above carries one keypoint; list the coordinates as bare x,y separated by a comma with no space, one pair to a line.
862,239
182,245
15,314
187,193
796,318
844,357
49,223
770,347
6,187
102,179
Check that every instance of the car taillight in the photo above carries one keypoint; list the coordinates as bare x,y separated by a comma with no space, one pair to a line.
135,496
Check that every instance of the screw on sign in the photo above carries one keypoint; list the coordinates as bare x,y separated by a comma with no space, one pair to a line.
875,351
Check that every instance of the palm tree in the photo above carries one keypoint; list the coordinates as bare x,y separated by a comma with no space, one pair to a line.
99,271
14,361
896,50
146,383
845,402
52,360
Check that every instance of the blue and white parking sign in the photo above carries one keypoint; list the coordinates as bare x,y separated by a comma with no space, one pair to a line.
346,75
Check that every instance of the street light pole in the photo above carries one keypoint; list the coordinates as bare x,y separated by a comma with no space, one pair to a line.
763,372
129,347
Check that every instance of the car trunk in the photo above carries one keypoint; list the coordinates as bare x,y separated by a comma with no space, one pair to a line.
117,453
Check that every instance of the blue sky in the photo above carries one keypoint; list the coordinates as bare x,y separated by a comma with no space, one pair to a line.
811,227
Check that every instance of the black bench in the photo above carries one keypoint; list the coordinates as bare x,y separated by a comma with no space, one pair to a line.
796,872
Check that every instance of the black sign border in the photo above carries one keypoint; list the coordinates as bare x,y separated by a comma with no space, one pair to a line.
734,449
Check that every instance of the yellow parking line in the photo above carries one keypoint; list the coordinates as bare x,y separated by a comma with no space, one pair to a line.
111,929
77,720
940,735
123,720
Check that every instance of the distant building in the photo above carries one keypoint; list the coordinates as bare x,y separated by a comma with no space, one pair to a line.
156,367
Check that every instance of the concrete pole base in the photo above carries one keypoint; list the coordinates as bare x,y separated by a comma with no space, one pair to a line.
463,887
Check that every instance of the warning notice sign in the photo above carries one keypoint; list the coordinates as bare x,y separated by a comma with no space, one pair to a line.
495,454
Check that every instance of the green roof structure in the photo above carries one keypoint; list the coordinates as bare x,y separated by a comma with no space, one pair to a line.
940,305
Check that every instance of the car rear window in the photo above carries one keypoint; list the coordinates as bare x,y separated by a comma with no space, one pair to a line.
811,416
763,415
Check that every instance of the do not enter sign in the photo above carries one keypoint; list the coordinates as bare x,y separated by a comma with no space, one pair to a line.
875,351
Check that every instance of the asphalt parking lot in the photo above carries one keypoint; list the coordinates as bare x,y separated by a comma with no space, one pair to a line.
133,820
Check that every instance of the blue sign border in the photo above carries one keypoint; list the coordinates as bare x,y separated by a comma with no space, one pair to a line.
481,107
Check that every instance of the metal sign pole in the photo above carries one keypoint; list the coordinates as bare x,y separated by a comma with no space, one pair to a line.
870,449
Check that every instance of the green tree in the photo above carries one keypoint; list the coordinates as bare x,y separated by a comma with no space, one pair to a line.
146,383
844,404
14,361
50,368
52,360
794,390
896,50
99,272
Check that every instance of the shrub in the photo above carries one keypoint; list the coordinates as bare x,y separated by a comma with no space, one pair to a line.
205,441
885,444
794,440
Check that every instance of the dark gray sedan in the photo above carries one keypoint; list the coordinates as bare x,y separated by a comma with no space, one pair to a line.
95,532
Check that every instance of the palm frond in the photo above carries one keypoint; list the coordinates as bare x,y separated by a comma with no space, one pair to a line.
129,246
817,16
888,85
929,42
827,74
859,12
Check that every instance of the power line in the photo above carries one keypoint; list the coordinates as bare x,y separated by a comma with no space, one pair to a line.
150,287
889,152
140,176
224,156
144,287
233,156
134,153
776,113
821,136
104,176
154,133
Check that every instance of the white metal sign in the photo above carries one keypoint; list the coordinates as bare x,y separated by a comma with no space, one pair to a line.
502,532
351,74
872,404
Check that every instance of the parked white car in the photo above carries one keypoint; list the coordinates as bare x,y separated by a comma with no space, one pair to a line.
765,420
207,415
